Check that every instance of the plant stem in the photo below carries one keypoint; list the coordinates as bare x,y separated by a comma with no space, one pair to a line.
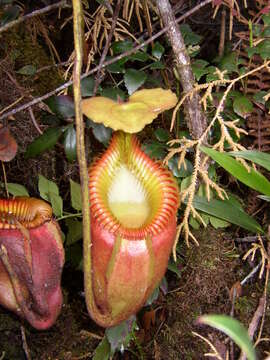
69,216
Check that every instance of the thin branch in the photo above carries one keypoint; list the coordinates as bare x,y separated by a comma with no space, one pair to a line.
250,275
25,345
107,45
106,63
10,24
196,119
32,116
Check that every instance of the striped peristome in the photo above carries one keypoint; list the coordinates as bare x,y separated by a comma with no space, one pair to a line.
29,212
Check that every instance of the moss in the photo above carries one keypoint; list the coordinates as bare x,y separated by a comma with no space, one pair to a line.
24,51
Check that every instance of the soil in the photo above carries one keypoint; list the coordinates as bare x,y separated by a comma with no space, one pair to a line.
208,272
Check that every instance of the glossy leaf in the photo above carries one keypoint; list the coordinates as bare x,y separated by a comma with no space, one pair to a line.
157,50
101,132
8,145
62,105
234,329
44,142
113,93
75,194
139,56
228,212
258,157
118,67
119,47
103,350
251,178
70,143
87,86
242,106
134,79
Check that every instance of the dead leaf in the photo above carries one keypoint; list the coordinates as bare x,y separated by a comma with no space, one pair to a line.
236,289
8,145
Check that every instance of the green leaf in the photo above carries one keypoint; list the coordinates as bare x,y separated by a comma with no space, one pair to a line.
74,233
228,212
120,335
75,194
139,56
119,47
134,79
103,350
16,189
174,267
194,223
10,14
257,157
49,191
62,105
266,18
27,70
118,67
57,203
251,178
155,150
158,50
45,187
70,143
264,49
157,65
162,135
242,106
153,297
218,223
189,36
199,68
113,93
101,132
234,329
184,171
87,86
229,62
258,97
44,142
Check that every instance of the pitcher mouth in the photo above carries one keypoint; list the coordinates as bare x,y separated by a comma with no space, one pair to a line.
130,194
